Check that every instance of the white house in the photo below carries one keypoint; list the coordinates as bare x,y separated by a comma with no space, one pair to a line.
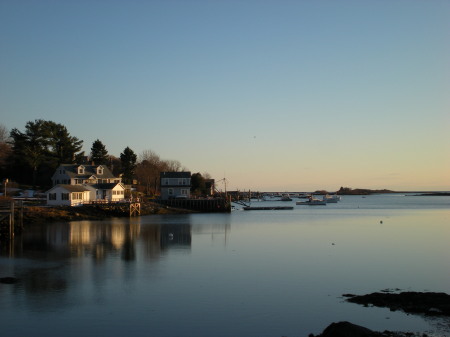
175,185
72,174
112,192
80,184
68,195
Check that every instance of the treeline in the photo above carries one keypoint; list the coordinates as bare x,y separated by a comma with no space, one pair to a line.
30,157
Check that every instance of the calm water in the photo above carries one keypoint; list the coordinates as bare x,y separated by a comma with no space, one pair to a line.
248,273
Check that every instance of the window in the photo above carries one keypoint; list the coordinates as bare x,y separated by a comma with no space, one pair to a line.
99,170
77,196
64,196
80,169
184,192
170,191
52,196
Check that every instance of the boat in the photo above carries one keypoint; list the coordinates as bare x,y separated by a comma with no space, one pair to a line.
312,202
285,197
331,198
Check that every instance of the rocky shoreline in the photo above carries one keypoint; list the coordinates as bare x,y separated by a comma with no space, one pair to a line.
42,214
347,329
421,303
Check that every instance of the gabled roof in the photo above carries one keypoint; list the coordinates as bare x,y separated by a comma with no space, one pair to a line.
70,188
106,186
89,170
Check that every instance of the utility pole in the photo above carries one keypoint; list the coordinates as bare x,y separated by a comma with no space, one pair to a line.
6,182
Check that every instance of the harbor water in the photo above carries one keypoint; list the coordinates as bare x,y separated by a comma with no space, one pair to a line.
249,273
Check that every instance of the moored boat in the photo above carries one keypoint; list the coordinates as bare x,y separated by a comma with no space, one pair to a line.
331,198
285,197
312,202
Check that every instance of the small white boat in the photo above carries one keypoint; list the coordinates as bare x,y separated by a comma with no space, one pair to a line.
312,202
286,197
331,198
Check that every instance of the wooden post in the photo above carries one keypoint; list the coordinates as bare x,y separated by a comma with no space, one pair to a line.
135,208
11,221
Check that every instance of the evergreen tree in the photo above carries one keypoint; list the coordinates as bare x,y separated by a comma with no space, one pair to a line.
40,149
99,154
64,147
128,161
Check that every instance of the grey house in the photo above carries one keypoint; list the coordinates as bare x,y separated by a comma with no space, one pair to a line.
175,185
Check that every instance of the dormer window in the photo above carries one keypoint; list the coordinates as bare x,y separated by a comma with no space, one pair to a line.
80,169
99,170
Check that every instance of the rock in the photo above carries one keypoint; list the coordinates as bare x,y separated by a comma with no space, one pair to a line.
346,329
8,280
429,303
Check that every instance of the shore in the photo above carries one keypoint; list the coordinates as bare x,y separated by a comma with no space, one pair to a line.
42,214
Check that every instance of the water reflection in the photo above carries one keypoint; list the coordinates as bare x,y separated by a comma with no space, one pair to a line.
52,262
99,239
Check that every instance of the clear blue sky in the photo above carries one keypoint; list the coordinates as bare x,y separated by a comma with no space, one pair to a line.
272,95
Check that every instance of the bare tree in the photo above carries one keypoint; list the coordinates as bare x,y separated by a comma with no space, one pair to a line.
149,167
4,134
5,148
173,166
147,171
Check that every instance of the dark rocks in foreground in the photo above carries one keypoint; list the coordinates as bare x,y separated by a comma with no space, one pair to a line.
347,329
425,303
8,280
428,303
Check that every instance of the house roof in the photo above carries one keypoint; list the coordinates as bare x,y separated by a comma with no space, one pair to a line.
89,170
106,186
70,188
175,174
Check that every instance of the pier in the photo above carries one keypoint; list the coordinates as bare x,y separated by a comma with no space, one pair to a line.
11,216
131,208
216,205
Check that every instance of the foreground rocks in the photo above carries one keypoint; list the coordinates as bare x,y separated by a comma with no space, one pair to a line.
347,329
424,303
427,303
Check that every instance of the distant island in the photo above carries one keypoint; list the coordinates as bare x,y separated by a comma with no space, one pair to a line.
356,191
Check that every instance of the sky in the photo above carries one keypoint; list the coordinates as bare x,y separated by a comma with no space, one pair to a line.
271,95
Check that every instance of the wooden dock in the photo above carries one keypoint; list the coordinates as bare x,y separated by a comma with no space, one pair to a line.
216,205
267,208
11,218
131,208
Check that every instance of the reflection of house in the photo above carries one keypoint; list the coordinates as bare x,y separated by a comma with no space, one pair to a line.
175,185
79,184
